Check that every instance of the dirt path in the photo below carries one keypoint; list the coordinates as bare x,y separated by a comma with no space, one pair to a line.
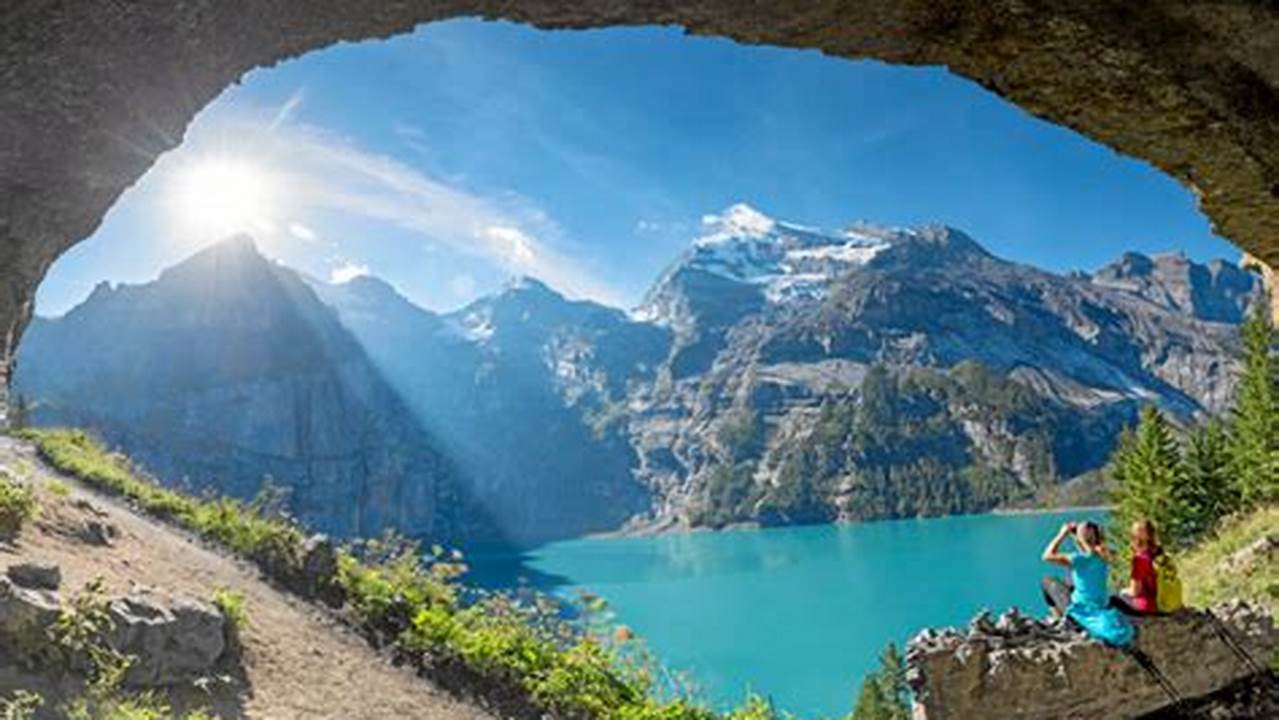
298,663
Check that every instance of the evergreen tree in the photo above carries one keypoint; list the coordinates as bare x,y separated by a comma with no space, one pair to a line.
1254,427
1147,471
1206,492
884,694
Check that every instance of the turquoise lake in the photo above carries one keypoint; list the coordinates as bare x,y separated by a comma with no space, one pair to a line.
800,614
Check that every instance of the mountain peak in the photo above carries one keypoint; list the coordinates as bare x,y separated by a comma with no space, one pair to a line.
527,285
736,221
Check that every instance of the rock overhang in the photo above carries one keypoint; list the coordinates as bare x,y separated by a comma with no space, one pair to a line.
91,94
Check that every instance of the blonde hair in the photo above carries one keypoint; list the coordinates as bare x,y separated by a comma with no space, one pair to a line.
1144,536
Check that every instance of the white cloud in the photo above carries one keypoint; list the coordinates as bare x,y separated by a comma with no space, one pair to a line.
320,172
407,130
348,271
286,110
302,232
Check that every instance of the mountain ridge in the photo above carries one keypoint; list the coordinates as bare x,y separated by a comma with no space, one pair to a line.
736,391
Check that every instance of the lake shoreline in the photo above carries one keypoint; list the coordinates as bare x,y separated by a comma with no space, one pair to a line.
648,529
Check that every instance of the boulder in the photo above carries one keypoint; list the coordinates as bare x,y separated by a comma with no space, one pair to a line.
172,641
25,613
1020,667
37,576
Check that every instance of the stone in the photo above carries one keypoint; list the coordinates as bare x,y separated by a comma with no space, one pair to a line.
172,641
97,532
320,571
25,612
1260,552
1044,671
94,92
36,576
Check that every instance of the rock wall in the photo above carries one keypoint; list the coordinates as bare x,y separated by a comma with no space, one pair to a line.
92,93
1019,667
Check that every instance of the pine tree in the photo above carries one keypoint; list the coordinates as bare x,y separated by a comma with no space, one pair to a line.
1206,492
1147,470
1254,426
885,694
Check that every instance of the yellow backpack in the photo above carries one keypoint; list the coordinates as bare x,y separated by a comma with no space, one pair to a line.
1168,594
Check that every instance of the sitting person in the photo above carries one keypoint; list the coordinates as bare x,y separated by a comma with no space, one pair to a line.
1141,595
1085,600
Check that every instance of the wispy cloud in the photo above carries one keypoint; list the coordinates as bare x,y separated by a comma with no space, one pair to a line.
321,172
285,113
302,232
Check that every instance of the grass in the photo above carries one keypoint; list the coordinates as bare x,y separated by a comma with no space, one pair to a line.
57,488
410,603
17,506
231,603
1206,572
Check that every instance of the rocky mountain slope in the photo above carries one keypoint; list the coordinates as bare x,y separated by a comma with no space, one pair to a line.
887,372
229,372
774,374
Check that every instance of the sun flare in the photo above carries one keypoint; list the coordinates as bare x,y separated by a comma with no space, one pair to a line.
220,196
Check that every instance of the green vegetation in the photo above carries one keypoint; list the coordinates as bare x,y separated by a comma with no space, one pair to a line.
896,448
1254,422
57,488
78,640
17,506
885,694
22,706
410,603
231,603
1148,474
1211,492
1236,560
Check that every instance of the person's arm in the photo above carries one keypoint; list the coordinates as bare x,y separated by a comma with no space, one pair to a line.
1134,588
1052,553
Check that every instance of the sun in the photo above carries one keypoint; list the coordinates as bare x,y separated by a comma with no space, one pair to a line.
220,196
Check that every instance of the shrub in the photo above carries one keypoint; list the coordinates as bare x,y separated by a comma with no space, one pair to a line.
17,506
409,600
231,604
22,706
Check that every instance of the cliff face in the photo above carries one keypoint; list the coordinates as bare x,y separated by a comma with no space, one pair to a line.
228,373
988,378
517,388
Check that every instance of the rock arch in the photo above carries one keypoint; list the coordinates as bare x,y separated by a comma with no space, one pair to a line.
92,92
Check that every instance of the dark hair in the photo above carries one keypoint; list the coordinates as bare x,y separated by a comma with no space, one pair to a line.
1092,534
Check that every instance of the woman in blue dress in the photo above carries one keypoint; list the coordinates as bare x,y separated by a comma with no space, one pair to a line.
1086,599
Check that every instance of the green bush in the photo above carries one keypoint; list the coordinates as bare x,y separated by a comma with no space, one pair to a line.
17,506
403,598
231,604
409,601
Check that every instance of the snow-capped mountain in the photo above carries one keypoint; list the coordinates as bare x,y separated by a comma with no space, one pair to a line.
785,262
774,373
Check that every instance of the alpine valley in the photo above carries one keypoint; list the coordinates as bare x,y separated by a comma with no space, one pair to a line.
774,374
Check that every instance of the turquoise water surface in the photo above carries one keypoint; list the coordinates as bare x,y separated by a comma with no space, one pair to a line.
800,614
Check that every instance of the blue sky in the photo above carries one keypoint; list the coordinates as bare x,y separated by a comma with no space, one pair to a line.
450,159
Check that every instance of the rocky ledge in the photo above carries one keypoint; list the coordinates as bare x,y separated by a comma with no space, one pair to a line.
1020,667
170,639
